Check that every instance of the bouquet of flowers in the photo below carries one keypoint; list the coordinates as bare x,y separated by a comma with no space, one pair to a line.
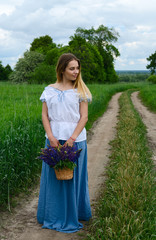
62,159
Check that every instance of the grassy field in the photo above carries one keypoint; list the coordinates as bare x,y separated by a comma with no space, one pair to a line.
22,133
22,136
127,207
148,96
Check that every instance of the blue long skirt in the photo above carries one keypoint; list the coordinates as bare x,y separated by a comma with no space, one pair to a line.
62,203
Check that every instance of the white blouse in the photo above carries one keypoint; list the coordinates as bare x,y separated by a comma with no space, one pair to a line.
63,112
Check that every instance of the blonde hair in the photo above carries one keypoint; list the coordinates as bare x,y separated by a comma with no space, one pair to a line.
79,84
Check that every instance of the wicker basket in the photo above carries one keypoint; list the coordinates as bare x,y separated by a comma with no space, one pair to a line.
64,174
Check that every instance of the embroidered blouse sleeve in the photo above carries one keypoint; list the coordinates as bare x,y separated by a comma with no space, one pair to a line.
43,96
81,99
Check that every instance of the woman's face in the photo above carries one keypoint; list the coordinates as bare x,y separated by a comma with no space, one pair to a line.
71,72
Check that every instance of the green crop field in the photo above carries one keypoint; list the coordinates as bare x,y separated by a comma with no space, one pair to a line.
22,136
22,133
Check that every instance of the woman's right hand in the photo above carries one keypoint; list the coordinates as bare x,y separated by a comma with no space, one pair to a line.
54,142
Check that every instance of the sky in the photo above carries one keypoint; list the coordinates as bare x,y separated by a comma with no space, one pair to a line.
23,20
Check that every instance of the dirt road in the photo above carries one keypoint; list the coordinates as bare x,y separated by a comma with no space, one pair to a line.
22,224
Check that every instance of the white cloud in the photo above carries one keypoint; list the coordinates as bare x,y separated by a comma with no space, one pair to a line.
4,37
132,45
6,9
142,61
23,20
131,62
143,28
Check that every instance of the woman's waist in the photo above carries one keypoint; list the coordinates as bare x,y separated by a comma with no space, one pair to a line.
63,126
64,121
63,130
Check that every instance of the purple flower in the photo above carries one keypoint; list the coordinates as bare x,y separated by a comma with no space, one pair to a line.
61,156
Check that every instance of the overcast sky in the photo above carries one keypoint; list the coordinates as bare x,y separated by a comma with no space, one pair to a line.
23,20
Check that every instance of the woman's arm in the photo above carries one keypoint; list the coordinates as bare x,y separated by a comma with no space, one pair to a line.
81,124
53,141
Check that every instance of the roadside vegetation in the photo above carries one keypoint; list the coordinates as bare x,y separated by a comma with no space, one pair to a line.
127,207
22,133
148,96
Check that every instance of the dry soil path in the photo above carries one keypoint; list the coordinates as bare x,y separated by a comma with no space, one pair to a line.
22,224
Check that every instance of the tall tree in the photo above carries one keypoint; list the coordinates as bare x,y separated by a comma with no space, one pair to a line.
42,44
25,66
91,61
8,71
4,72
52,56
152,64
102,38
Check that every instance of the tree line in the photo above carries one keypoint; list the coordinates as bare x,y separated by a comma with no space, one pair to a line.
94,48
5,72
152,67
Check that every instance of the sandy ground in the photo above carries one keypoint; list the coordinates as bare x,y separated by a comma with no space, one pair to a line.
21,224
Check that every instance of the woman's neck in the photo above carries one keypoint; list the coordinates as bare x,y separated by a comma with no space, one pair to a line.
65,85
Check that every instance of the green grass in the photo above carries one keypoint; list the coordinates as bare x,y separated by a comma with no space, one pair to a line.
127,207
22,133
148,96
22,136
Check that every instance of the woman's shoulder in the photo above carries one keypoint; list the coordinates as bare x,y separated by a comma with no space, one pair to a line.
49,89
54,85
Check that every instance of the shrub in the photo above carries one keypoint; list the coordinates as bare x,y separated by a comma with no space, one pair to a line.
152,79
25,66
43,74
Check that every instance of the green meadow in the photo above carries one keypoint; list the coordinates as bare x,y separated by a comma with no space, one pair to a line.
148,96
22,133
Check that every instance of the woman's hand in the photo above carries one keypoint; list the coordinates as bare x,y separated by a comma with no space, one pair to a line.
54,142
69,142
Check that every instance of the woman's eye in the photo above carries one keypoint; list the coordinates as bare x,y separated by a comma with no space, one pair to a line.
73,68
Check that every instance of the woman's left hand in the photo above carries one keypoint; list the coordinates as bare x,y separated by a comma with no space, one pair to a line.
69,142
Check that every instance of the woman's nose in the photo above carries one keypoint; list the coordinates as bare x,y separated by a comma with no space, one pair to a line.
76,70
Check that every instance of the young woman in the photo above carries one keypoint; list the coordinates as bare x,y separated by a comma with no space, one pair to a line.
62,203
